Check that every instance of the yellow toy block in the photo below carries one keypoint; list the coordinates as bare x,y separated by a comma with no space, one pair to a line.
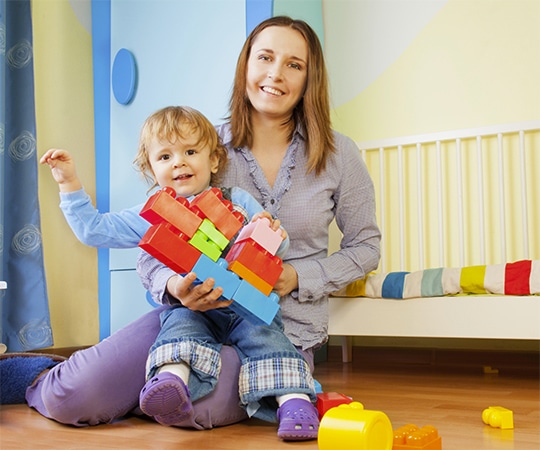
351,426
498,417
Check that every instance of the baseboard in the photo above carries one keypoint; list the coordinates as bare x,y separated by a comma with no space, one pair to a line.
489,361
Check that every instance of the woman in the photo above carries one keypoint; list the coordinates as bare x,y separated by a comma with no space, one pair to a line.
285,154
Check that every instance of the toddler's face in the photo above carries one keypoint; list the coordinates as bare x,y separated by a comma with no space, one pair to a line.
184,165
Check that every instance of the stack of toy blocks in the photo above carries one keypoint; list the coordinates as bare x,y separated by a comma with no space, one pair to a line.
410,437
191,237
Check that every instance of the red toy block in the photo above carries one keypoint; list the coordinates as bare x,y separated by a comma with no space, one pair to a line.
163,206
263,264
261,232
246,274
410,437
211,205
169,248
328,400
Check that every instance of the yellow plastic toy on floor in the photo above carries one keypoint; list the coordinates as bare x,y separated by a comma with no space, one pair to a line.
351,426
498,417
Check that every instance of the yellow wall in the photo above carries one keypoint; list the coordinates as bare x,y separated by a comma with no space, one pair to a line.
476,63
64,114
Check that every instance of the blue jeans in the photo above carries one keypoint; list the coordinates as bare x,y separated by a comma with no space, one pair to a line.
270,364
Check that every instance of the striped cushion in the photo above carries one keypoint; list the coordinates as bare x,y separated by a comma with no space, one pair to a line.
516,278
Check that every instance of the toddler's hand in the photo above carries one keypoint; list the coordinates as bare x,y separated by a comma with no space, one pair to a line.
274,223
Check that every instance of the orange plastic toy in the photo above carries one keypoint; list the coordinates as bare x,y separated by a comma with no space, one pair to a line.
410,437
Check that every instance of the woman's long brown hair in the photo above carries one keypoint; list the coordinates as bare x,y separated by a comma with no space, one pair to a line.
313,110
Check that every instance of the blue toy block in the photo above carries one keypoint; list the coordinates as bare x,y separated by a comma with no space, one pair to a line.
206,268
253,305
249,302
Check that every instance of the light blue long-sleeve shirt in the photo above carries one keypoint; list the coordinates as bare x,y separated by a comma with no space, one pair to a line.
124,229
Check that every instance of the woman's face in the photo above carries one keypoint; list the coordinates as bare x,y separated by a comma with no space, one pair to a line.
277,71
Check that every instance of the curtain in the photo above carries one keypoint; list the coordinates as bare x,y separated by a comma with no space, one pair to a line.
24,304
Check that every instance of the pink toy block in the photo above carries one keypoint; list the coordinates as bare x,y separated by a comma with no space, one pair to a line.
410,437
327,400
253,257
261,232
164,207
169,248
498,417
211,205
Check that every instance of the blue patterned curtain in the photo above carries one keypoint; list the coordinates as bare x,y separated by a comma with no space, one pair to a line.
24,304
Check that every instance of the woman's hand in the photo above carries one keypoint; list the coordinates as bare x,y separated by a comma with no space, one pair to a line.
287,282
197,297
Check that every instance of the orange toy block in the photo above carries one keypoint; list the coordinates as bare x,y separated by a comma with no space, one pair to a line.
410,437
169,248
327,400
211,205
163,206
261,232
246,274
263,264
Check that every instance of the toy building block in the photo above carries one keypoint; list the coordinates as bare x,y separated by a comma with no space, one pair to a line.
248,255
209,229
249,302
351,426
261,232
209,240
328,400
246,274
253,305
410,437
206,268
498,417
169,248
164,207
210,204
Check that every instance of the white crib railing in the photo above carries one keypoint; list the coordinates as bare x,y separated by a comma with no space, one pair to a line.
457,198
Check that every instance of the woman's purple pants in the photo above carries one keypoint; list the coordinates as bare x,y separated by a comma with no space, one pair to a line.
102,383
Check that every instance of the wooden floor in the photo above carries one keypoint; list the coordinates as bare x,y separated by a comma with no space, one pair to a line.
409,388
